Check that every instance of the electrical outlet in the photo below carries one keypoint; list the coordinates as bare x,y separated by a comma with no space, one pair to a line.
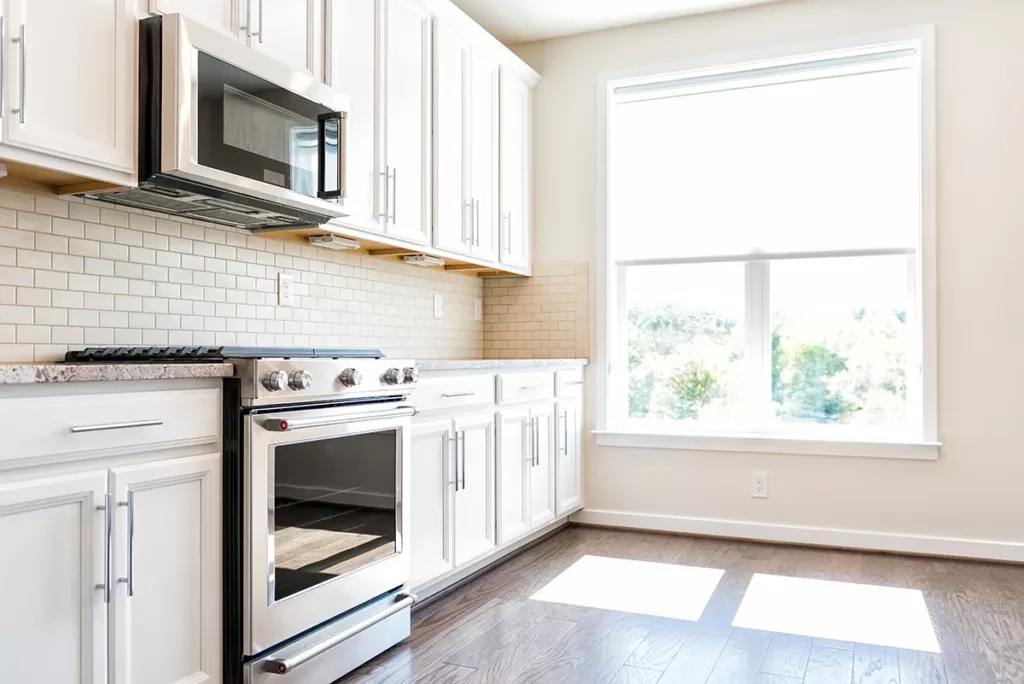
438,305
478,309
759,484
285,289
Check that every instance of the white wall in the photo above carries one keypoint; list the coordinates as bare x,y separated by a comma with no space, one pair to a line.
974,491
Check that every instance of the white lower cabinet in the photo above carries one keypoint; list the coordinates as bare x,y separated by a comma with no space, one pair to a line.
568,466
156,610
514,437
53,622
542,465
167,572
474,488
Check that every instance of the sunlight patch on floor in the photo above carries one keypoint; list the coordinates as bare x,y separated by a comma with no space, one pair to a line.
660,589
863,613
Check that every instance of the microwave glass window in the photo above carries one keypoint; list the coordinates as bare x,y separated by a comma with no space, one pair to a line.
334,509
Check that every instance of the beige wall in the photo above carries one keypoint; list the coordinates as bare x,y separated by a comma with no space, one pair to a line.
974,491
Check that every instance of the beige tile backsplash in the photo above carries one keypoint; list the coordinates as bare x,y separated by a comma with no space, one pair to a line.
75,273
545,316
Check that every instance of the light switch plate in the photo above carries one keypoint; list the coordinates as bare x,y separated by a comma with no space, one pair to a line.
478,309
438,305
285,289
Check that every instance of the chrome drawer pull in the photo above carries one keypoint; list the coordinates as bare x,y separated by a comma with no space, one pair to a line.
456,395
573,382
524,388
280,666
117,426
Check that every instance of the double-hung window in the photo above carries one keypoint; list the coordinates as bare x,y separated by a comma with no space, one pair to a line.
767,266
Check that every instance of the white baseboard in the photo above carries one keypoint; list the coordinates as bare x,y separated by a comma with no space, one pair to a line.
816,536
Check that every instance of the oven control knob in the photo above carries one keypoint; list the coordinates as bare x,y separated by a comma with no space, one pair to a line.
275,381
410,375
300,380
392,376
350,377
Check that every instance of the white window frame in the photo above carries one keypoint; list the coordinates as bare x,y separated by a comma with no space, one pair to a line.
922,277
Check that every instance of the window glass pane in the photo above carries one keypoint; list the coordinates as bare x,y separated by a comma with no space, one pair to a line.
813,165
685,342
841,331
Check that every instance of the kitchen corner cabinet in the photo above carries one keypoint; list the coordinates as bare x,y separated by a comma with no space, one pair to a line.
68,86
380,56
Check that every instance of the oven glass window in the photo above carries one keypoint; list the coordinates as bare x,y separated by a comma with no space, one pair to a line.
252,128
334,509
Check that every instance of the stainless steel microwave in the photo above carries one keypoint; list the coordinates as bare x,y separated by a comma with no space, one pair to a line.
230,135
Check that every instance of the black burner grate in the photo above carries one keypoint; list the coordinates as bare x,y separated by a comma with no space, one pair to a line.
210,354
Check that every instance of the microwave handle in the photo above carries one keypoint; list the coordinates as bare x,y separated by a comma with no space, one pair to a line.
338,192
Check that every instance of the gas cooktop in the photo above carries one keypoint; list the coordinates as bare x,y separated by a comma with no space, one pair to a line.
210,354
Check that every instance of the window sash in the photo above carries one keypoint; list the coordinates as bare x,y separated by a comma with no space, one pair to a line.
759,416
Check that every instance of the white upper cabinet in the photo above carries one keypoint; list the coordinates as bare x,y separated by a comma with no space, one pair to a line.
224,15
289,30
514,219
452,218
53,621
68,74
484,154
355,67
408,121
167,569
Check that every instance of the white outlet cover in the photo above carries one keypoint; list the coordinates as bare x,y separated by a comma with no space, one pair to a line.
478,309
759,484
438,305
285,289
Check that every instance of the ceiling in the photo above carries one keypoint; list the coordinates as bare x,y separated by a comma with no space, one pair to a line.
522,21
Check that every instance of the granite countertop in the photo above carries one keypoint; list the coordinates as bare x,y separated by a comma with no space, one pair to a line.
27,374
497,364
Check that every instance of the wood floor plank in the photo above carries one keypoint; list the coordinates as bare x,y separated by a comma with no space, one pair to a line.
763,678
555,663
787,655
695,660
504,665
661,645
445,673
918,667
832,643
875,665
829,666
476,653
635,675
605,659
741,659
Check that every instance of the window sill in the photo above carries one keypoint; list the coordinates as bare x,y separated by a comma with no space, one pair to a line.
769,444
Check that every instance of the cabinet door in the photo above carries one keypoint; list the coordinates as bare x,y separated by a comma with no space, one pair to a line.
408,120
513,461
355,67
484,155
568,463
542,467
68,79
223,15
514,130
430,537
167,565
291,31
474,491
452,219
53,621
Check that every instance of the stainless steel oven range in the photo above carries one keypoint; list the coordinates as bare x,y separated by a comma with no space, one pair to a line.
316,563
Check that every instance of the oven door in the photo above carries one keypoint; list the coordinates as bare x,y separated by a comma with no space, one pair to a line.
325,515
234,118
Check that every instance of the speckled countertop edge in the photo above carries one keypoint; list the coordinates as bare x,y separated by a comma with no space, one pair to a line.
497,364
28,374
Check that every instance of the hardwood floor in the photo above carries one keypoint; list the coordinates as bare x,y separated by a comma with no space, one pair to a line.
489,631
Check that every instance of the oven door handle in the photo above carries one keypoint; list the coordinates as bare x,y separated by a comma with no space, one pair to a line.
282,666
289,424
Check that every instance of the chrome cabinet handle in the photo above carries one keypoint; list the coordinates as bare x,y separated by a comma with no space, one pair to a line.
387,192
455,456
280,666
286,425
565,433
107,527
260,32
20,110
508,232
573,382
536,441
530,388
393,194
476,223
130,579
116,426
455,395
463,460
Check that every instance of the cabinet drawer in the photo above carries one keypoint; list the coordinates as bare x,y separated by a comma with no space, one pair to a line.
43,426
443,392
569,383
517,387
